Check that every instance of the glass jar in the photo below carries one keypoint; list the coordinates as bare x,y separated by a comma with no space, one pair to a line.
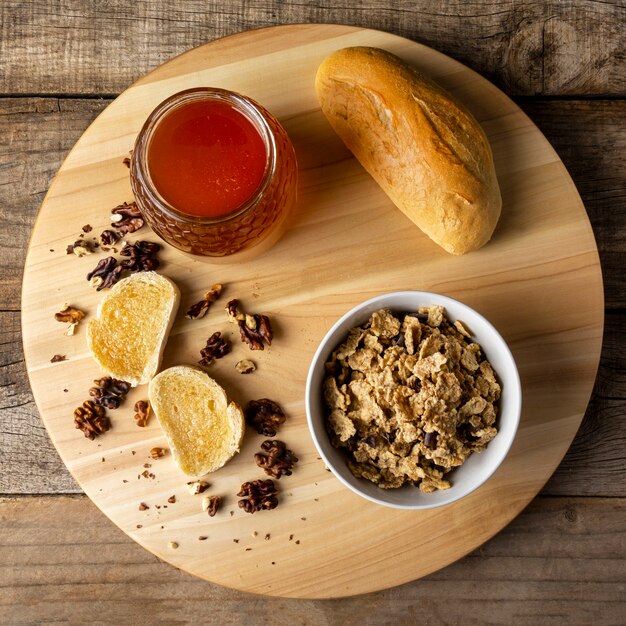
260,218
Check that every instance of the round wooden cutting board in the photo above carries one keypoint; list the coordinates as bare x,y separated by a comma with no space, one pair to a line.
538,281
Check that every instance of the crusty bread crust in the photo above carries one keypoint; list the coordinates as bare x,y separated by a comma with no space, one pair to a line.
203,428
426,151
128,335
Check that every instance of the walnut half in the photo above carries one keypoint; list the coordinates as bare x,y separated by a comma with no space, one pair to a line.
265,416
91,418
69,315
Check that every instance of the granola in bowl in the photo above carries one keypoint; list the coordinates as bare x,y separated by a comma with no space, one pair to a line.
407,407
408,397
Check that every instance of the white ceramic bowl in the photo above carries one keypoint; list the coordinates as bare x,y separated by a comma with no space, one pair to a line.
479,466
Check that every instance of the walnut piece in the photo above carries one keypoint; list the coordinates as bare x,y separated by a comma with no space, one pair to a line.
210,504
258,495
265,416
126,218
109,392
278,461
216,347
91,418
80,248
197,486
199,309
234,314
71,315
57,358
108,237
142,413
254,329
106,273
245,366
141,256
157,453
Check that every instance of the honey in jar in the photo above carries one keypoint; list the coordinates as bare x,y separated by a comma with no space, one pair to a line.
213,172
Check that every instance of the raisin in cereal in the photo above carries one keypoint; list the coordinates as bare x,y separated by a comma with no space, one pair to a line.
409,398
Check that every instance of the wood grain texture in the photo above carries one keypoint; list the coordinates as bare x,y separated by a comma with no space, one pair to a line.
587,136
593,466
560,562
590,140
533,262
38,133
81,47
555,47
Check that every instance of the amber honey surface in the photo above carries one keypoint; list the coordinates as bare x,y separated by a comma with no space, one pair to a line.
213,172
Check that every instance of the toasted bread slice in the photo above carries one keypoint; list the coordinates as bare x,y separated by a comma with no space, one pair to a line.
204,430
133,321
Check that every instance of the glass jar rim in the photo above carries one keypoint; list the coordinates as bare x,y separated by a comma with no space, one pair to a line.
244,105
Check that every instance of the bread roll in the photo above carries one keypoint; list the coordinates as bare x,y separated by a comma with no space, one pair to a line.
204,430
132,324
426,151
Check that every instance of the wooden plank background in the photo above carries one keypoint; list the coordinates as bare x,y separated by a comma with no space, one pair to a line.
562,561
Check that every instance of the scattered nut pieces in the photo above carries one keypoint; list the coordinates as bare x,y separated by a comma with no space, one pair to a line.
258,495
216,347
126,218
91,418
255,330
142,414
57,358
87,228
211,504
409,398
265,416
106,273
71,315
157,453
200,309
197,486
109,392
143,506
172,545
245,366
278,461
141,256
172,499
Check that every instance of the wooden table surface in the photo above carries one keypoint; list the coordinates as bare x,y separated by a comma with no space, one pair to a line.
563,560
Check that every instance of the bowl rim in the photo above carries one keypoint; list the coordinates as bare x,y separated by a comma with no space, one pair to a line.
515,382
